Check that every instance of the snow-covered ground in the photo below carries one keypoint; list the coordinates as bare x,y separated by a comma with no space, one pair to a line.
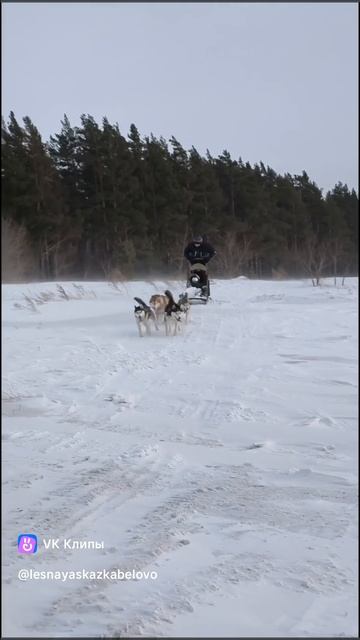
223,459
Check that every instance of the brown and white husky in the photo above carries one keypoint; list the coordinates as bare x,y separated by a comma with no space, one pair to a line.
158,303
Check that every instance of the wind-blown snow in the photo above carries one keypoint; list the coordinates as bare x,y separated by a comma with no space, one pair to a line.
224,459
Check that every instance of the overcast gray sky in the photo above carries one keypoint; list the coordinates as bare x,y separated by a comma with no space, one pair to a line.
272,82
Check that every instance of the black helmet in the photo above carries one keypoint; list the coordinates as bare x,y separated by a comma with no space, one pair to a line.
197,239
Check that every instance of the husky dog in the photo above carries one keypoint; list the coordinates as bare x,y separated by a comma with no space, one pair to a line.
184,305
175,317
158,303
144,316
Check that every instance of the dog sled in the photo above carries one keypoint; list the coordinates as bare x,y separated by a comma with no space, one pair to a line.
198,285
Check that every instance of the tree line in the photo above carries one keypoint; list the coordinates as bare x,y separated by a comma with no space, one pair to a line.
90,202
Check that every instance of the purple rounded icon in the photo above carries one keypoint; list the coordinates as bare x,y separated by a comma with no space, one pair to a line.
27,543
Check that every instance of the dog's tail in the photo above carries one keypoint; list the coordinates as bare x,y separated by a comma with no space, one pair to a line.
142,303
169,295
171,305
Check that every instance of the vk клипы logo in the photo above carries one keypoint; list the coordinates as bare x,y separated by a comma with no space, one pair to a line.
27,543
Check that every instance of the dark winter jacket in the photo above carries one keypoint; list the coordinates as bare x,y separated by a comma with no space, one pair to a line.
201,254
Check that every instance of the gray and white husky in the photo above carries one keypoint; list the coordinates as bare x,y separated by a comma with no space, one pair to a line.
184,305
175,315
145,318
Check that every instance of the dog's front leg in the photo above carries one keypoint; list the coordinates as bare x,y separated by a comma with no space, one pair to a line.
154,319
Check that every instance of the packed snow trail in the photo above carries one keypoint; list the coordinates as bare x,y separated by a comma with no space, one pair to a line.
223,459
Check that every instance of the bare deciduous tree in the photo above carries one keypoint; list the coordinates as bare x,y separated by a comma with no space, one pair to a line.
17,255
314,258
234,252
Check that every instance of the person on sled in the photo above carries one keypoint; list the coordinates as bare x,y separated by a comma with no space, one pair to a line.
199,253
